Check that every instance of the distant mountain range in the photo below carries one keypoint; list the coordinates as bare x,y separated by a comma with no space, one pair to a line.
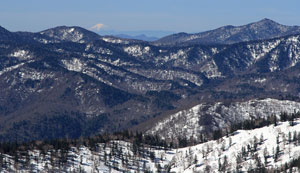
127,34
263,29
71,82
145,35
137,37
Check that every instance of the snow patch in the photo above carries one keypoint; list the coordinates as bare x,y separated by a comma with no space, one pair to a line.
137,50
114,40
259,50
260,80
73,65
8,69
21,54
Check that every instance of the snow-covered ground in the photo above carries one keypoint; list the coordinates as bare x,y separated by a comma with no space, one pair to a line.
207,117
269,147
208,155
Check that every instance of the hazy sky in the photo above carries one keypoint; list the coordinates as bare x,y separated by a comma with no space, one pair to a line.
127,15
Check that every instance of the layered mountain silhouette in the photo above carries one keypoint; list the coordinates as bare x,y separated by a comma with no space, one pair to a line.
71,82
263,29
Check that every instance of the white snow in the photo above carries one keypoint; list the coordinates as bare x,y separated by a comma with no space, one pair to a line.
65,34
160,74
179,54
209,153
8,69
71,30
34,75
21,54
97,49
260,80
293,39
191,122
256,143
114,40
137,50
74,64
260,50
210,69
214,50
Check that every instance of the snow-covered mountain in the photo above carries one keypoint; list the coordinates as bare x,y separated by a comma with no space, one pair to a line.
108,84
270,148
73,34
207,117
68,82
263,29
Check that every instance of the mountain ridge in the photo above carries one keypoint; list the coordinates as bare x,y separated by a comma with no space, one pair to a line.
272,147
204,118
137,37
263,29
125,82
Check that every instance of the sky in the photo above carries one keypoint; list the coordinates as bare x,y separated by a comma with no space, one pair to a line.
140,15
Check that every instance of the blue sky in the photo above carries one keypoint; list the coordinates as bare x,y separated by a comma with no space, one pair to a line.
132,15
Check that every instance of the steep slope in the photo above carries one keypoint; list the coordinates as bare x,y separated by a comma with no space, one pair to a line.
245,150
5,34
205,118
263,29
270,148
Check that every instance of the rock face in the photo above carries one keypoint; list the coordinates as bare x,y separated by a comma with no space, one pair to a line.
70,82
263,29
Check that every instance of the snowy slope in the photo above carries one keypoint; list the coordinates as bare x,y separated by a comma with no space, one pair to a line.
269,147
207,117
268,138
115,156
